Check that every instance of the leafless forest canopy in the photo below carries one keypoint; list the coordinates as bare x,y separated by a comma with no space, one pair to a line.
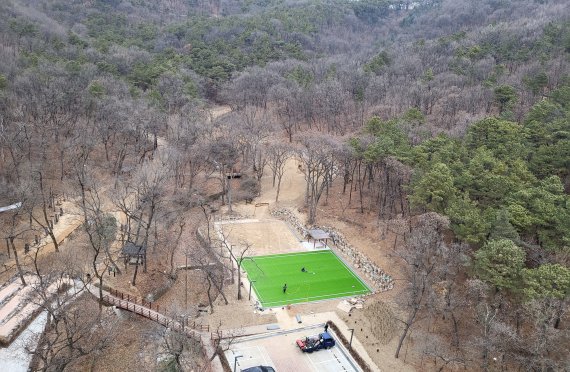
444,122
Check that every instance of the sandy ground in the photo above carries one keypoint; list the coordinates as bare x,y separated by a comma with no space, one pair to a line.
291,193
264,236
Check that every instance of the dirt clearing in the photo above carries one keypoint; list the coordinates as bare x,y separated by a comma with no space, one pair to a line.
265,236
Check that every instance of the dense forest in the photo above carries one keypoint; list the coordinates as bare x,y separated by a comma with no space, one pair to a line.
447,122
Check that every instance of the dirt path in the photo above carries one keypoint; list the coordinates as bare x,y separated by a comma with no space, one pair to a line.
291,194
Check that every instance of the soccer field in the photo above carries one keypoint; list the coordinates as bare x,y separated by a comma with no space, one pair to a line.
325,277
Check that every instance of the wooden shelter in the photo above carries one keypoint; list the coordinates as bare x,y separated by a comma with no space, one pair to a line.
134,254
318,236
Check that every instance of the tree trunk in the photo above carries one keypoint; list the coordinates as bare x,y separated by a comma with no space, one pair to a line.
136,272
239,280
48,226
209,293
455,330
230,191
221,288
559,313
18,266
278,188
401,341
360,182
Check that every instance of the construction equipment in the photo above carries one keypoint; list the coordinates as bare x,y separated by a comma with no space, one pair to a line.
315,343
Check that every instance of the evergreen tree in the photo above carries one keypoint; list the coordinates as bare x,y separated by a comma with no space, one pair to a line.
500,263
502,227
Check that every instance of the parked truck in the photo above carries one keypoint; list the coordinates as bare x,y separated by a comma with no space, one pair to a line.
314,343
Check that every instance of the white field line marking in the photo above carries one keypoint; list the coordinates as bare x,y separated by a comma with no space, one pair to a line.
311,361
252,355
353,274
332,296
326,360
245,348
257,293
262,355
288,254
331,362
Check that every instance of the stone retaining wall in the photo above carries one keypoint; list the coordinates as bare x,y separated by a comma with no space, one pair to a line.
381,280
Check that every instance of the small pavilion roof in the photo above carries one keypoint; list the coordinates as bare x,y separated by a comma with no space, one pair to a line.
318,234
131,249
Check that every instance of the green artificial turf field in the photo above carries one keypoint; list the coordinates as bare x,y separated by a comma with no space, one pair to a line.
326,277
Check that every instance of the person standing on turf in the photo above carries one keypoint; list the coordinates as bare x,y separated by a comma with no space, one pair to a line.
285,288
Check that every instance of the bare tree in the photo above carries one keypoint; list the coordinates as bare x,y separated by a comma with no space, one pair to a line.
213,272
223,155
74,331
142,201
180,352
238,257
278,154
543,343
318,157
254,126
101,229
13,229
424,245
487,304
44,201
285,99
223,340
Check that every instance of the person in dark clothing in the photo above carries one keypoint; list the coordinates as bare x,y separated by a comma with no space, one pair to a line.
326,326
285,288
303,269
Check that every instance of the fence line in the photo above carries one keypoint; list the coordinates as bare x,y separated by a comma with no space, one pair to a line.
196,331
152,315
